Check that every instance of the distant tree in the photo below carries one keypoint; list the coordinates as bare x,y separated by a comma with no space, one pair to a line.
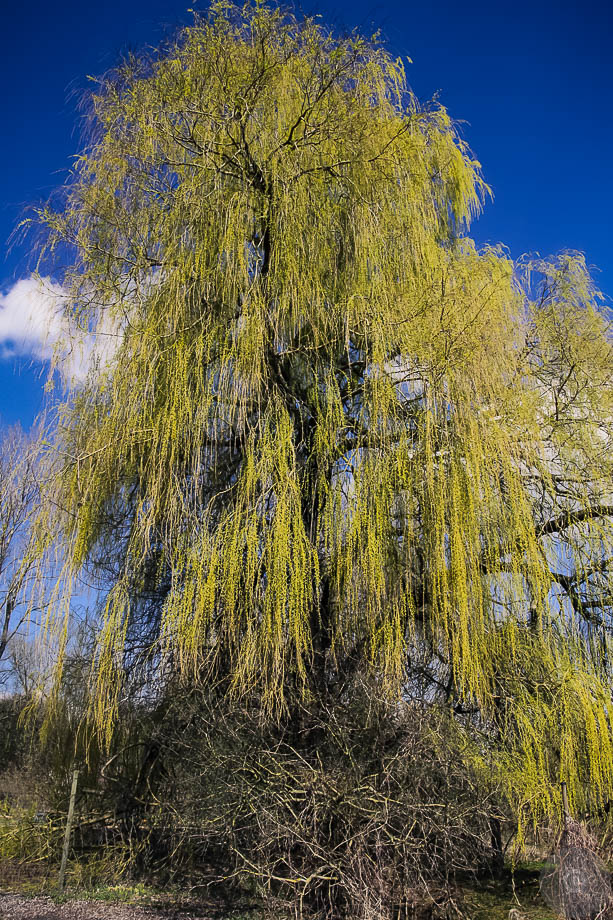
19,503
334,439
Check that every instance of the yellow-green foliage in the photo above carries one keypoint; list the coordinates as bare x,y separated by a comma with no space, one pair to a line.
27,839
321,387
24,836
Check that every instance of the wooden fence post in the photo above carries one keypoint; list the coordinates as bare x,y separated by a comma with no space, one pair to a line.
565,808
73,795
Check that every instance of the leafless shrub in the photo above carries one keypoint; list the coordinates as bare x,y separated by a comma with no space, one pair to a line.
575,880
362,810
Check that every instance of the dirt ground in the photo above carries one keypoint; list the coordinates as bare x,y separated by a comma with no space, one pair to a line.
18,907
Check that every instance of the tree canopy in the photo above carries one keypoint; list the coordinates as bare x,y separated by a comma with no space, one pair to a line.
332,436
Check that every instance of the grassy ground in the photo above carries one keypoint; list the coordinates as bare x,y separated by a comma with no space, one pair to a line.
489,900
493,899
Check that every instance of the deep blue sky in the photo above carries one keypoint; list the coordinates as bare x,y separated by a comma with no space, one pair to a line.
532,79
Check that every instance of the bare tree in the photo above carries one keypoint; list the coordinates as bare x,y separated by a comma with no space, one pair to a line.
19,498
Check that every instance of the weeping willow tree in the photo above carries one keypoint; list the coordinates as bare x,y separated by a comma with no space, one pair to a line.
331,436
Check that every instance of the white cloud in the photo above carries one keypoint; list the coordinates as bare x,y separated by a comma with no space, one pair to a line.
34,322
31,319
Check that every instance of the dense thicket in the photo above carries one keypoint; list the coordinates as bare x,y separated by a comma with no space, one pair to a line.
333,442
